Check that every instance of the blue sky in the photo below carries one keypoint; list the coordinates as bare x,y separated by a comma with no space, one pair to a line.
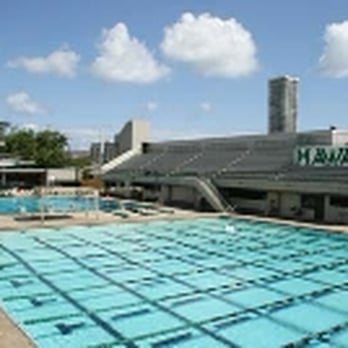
86,67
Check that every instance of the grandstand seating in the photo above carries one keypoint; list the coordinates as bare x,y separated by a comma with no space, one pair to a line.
139,162
170,161
248,157
213,159
265,157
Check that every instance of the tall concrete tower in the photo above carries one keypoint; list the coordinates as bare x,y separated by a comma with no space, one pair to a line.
282,104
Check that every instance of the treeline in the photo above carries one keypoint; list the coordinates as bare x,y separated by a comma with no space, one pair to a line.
47,148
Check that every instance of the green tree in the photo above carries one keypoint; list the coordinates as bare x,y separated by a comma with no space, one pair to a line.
21,144
50,149
47,148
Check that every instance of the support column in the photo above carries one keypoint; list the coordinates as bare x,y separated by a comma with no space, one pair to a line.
3,179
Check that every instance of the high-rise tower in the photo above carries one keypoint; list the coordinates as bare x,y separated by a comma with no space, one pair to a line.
282,104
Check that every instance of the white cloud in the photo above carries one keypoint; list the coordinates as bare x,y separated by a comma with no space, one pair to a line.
215,46
205,106
151,106
334,60
22,103
62,62
125,59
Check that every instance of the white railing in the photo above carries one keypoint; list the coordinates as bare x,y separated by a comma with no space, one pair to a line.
119,160
207,192
226,206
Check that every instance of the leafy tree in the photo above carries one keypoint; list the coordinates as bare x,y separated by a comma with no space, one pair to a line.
21,144
46,148
50,149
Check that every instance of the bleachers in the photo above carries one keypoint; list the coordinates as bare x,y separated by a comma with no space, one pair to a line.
139,162
214,159
258,156
252,157
171,160
266,156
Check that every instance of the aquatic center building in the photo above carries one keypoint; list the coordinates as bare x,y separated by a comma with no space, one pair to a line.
285,173
298,175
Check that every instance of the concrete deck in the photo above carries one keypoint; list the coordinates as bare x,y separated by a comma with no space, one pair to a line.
11,336
296,223
8,223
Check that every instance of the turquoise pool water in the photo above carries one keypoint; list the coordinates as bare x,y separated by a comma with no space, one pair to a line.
33,204
185,284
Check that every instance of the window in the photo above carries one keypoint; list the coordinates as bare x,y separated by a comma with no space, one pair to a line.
339,201
245,193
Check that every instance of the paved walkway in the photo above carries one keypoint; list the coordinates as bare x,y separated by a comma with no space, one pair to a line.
12,336
8,223
328,227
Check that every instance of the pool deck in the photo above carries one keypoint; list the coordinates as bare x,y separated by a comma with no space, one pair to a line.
296,223
9,223
12,336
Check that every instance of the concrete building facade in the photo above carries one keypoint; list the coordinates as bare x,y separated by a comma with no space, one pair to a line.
283,104
95,152
257,174
110,151
132,136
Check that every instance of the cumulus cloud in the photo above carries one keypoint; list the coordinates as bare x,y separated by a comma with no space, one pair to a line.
334,60
62,62
22,103
151,106
215,46
205,106
124,58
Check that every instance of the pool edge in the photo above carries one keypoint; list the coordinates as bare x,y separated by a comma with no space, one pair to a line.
11,335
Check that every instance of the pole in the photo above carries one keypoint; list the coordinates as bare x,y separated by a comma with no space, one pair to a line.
42,217
100,161
96,202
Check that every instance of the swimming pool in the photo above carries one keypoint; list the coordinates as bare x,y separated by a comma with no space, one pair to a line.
34,204
186,284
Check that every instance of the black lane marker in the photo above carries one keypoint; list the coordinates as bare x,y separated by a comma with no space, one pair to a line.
207,331
257,310
134,292
95,318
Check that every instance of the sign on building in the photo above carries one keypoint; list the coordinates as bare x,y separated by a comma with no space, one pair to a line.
321,156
